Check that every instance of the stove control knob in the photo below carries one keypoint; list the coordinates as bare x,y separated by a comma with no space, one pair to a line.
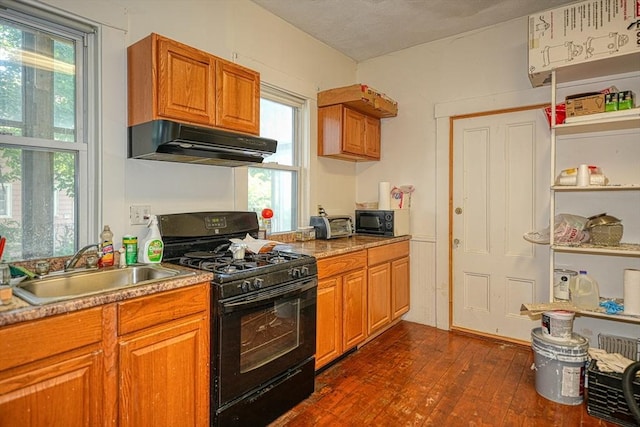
304,271
257,283
295,272
246,286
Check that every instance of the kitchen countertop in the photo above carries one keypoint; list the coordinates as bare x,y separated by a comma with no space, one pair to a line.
18,310
328,248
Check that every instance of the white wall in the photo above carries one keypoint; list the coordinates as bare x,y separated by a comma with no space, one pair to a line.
236,30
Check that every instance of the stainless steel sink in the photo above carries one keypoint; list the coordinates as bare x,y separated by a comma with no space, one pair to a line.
76,284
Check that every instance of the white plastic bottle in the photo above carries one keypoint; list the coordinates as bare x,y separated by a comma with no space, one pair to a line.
151,247
584,291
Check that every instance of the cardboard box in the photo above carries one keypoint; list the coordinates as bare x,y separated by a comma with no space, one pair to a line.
611,102
361,98
583,105
626,100
587,31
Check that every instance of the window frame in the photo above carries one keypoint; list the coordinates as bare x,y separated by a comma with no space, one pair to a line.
300,149
88,145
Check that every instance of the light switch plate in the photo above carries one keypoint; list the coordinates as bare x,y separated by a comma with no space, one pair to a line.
139,214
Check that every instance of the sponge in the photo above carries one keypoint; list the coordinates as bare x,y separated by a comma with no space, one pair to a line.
17,271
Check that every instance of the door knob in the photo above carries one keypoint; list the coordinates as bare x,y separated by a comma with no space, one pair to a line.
456,243
458,211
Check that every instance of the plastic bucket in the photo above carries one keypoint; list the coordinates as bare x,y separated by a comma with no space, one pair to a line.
560,367
557,325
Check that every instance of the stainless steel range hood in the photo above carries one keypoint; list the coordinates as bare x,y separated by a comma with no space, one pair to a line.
178,142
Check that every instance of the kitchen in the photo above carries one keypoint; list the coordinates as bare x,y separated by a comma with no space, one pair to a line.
417,82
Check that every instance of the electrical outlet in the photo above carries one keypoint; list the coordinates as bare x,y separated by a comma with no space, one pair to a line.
139,215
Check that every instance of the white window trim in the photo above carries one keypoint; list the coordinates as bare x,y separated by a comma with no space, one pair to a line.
301,153
89,147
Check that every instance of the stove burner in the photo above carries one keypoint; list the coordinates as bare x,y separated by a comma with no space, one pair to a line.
277,259
202,255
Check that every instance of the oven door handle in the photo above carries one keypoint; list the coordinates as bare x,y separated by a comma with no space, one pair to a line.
260,298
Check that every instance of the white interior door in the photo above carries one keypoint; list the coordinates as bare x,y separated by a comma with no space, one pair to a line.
500,191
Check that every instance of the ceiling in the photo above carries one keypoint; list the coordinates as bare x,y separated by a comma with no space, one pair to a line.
363,29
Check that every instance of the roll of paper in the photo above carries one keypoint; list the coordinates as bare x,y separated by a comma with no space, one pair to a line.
583,175
631,291
384,196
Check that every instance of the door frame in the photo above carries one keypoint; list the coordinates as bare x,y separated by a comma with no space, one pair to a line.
445,113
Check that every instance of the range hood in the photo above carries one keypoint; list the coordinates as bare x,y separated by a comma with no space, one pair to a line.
178,142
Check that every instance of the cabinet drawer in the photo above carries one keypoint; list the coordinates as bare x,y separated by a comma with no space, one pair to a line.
29,341
340,264
152,310
388,252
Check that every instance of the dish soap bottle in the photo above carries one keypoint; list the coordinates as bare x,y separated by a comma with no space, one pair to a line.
151,247
584,291
106,247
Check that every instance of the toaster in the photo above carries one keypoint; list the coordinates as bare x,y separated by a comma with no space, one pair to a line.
332,226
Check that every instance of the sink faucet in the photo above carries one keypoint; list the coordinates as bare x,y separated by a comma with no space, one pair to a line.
71,264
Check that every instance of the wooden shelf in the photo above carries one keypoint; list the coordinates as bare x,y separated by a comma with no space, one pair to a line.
360,98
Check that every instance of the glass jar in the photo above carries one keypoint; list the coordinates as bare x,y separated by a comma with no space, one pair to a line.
304,234
5,273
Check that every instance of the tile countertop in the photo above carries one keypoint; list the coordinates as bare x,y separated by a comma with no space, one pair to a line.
327,248
19,311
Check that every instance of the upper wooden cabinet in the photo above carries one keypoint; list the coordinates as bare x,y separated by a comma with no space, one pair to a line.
349,122
347,134
170,80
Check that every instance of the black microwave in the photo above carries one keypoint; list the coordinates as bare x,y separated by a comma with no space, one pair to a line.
377,222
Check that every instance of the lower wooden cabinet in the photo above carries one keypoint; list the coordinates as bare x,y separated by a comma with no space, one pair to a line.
329,321
164,362
51,371
143,361
388,284
360,294
400,287
341,321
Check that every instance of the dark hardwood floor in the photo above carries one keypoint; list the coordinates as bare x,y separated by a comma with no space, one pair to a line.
416,375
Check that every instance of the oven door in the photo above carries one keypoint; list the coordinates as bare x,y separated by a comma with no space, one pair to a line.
262,335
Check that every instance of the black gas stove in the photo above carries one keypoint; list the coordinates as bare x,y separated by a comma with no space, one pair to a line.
202,240
263,315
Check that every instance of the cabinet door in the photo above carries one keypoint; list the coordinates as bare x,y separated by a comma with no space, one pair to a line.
353,132
237,98
329,321
400,285
372,137
186,83
354,322
64,391
164,375
379,296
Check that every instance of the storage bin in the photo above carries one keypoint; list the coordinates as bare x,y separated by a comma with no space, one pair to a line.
605,399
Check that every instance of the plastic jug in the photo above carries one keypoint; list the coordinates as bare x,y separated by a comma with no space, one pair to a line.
584,291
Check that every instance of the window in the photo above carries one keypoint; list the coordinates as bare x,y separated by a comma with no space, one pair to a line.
44,151
276,183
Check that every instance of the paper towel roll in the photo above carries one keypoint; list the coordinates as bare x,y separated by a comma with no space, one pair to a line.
384,196
631,291
583,175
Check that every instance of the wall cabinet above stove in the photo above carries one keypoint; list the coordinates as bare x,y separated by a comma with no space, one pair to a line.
170,80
